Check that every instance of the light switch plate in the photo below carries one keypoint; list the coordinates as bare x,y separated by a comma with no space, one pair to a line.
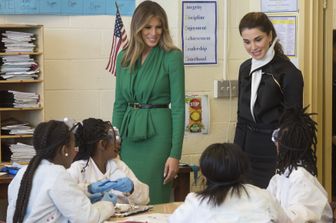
221,88
225,88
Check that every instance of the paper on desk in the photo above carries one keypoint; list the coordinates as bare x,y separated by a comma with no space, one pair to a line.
145,218
3,173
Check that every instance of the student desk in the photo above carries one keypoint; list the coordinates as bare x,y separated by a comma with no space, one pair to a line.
166,208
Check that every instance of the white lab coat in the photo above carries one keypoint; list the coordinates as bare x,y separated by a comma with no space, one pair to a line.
258,206
55,197
115,169
301,196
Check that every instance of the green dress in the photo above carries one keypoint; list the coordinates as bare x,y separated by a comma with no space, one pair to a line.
150,136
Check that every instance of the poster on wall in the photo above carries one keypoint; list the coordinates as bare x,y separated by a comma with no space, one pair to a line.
279,5
285,27
197,114
65,7
199,32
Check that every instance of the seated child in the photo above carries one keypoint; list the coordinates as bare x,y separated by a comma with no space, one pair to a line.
295,185
226,197
98,168
43,191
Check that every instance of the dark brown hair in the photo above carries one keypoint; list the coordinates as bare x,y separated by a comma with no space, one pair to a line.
260,21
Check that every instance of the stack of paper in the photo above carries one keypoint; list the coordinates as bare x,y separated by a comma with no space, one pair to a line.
18,99
18,129
21,152
20,67
18,41
15,127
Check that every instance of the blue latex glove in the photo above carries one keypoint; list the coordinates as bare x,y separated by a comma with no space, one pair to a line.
124,184
110,197
95,197
100,186
10,170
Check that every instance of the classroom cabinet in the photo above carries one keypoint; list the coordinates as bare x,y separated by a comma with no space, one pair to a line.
21,76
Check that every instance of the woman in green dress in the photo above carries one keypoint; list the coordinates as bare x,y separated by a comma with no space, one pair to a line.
149,101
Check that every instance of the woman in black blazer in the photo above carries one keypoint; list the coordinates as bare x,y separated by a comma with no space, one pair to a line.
268,84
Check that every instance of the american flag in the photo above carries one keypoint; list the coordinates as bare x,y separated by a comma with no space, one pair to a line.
119,42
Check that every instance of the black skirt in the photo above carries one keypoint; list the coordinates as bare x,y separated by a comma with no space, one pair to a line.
255,140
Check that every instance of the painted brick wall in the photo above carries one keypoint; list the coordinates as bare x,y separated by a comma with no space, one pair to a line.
76,83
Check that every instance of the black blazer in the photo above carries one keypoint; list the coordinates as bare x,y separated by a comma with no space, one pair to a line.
281,86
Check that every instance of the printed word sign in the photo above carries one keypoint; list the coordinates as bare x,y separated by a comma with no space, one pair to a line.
199,32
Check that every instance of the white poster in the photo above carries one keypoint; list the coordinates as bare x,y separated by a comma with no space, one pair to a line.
199,32
279,5
285,27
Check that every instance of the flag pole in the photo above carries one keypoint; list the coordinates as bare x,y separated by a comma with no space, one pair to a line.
119,41
116,5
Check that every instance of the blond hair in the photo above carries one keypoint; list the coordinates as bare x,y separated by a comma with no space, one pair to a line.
141,17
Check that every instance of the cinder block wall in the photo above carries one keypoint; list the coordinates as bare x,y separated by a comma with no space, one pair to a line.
76,50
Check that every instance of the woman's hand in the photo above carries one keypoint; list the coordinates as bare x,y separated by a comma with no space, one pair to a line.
170,170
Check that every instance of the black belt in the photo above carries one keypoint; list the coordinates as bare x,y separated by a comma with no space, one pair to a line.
146,106
260,130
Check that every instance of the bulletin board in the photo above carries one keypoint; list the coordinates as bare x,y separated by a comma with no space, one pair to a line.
66,7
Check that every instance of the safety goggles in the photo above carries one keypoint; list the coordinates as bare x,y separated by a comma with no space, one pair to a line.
117,134
73,125
113,132
275,135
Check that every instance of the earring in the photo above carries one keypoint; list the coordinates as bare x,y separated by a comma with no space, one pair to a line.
66,154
